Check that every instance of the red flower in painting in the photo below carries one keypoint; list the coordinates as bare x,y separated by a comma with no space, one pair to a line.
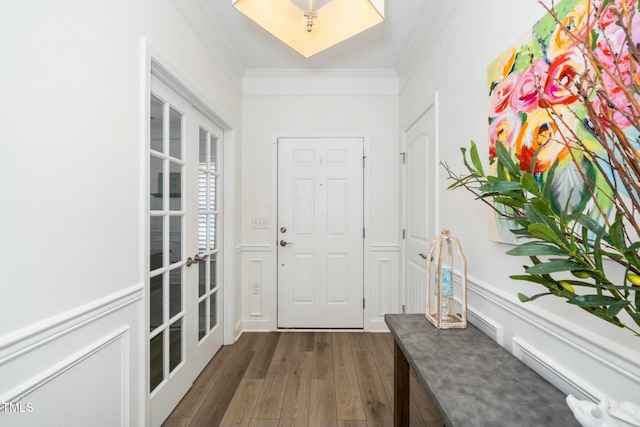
562,75
525,92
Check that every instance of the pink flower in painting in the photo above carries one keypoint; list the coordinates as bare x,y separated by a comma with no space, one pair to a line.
617,111
611,47
501,94
607,17
525,92
562,76
504,129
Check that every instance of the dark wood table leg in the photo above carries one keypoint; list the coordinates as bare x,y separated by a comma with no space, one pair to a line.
400,388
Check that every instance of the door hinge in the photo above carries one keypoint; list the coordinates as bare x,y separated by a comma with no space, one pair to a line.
364,158
404,158
404,234
363,304
363,232
403,310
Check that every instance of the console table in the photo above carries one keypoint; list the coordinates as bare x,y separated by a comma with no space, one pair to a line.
471,380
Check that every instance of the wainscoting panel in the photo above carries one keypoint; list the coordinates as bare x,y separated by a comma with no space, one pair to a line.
572,358
258,311
385,282
82,368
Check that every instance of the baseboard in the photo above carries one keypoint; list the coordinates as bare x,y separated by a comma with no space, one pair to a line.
262,325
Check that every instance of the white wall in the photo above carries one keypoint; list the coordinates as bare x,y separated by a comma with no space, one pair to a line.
306,104
71,174
579,353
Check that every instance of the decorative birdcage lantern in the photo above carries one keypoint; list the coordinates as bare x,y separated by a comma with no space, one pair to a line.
446,300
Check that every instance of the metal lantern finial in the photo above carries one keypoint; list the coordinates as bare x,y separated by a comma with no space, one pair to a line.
446,300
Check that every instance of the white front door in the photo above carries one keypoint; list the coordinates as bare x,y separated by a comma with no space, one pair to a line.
320,233
184,202
419,206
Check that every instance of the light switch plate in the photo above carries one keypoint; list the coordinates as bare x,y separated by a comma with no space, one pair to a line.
259,223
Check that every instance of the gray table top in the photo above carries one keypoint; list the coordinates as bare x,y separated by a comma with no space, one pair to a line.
473,381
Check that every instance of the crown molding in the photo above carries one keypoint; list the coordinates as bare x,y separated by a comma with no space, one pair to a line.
320,82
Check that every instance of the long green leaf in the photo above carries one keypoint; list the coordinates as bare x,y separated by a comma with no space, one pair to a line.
505,159
535,279
616,232
500,187
530,184
475,158
554,267
592,300
615,308
547,188
537,249
524,298
542,231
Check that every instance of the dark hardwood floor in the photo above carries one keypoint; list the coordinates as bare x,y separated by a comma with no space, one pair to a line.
300,379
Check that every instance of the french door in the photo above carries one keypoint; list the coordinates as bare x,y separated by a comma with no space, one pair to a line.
419,206
320,233
184,205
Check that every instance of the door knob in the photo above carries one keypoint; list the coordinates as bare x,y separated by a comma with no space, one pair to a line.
285,243
423,256
196,259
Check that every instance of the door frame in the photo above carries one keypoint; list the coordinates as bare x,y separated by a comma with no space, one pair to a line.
431,103
153,63
273,235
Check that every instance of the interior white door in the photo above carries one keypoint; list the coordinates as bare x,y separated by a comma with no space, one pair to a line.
419,206
320,233
184,200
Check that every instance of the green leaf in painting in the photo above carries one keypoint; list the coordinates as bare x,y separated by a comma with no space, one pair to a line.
592,300
594,39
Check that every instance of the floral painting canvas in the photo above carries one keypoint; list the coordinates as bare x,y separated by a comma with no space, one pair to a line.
534,101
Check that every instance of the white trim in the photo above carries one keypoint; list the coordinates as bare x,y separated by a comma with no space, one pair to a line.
253,248
122,334
230,63
31,338
251,325
556,328
171,77
385,248
310,82
551,371
485,324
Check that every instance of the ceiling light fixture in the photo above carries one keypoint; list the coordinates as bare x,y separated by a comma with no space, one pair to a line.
310,31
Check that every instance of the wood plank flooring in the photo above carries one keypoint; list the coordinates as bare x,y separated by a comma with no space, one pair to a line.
342,379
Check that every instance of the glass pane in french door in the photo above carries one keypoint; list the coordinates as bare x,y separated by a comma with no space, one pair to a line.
208,235
166,241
